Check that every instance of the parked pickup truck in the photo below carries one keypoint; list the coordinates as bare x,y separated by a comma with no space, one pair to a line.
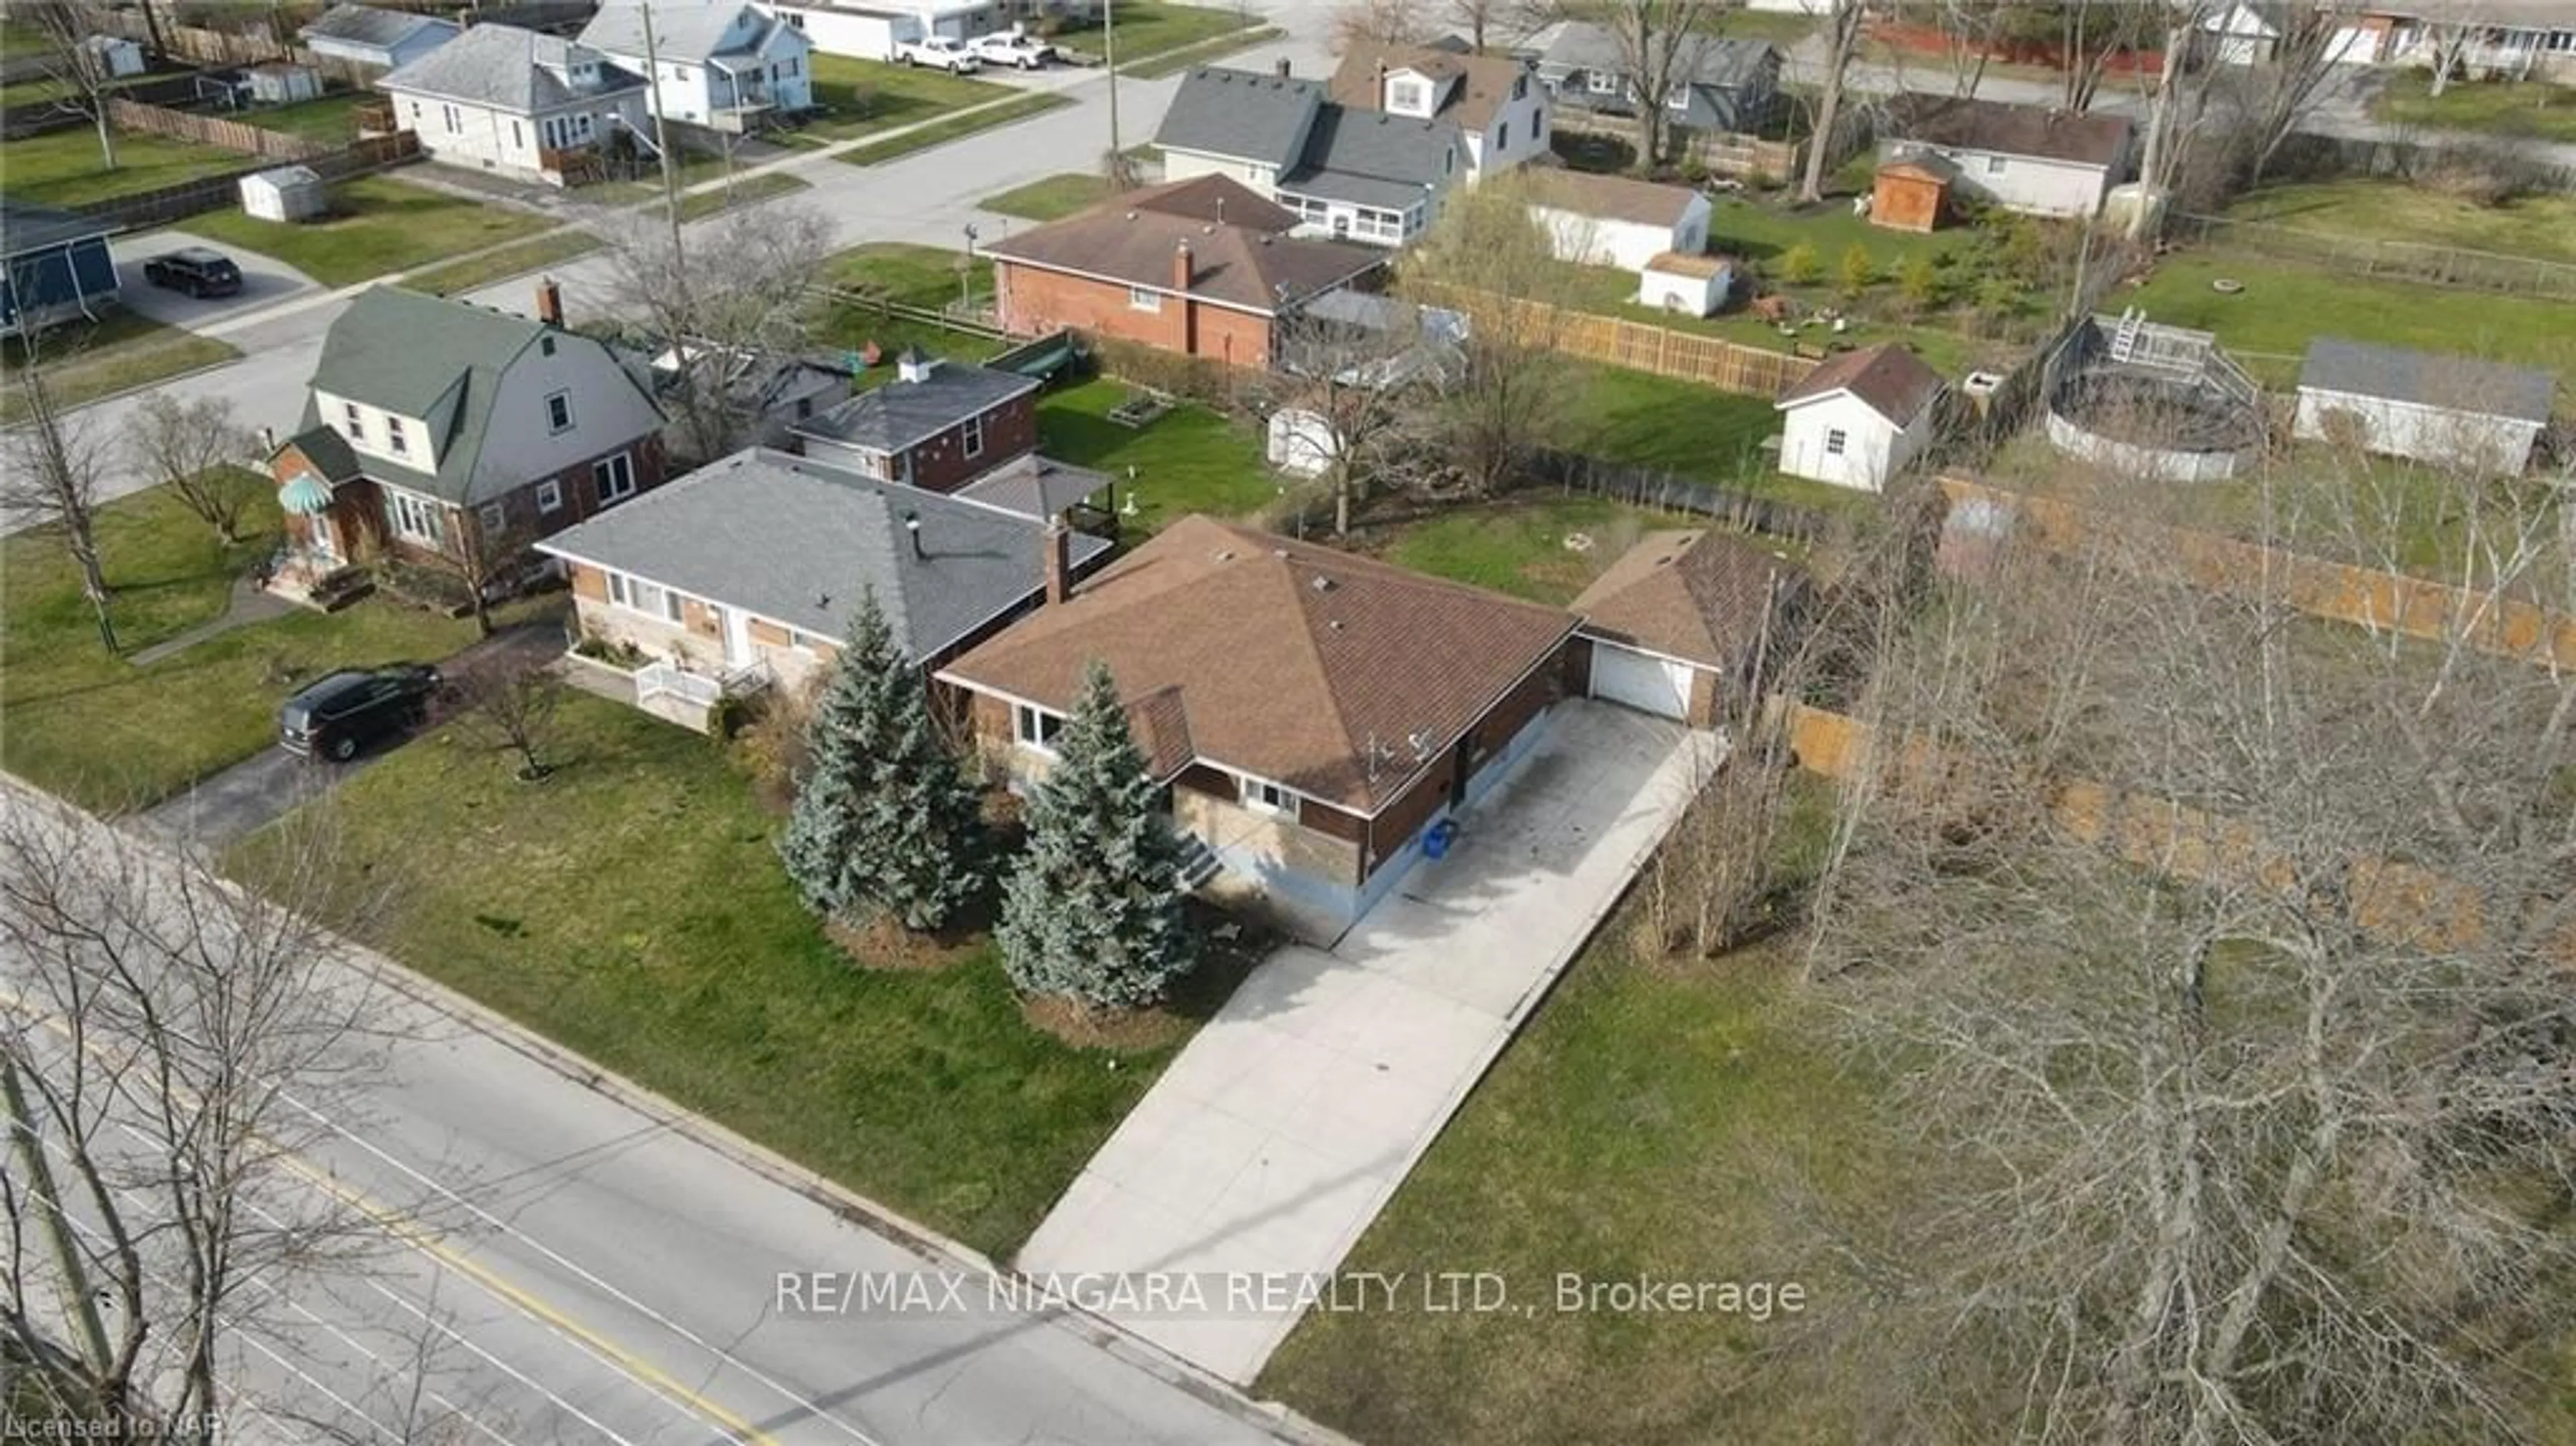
941,53
1012,47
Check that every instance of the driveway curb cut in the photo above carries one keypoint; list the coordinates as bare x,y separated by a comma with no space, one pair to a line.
843,1203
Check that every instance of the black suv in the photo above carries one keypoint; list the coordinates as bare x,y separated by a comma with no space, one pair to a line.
194,270
345,711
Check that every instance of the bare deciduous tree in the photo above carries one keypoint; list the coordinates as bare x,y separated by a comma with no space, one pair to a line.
56,465
733,301
1486,258
1840,32
1379,25
487,564
509,702
196,449
2221,956
78,70
1371,393
1660,45
168,1042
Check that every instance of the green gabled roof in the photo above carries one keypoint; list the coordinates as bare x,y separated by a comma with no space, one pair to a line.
421,356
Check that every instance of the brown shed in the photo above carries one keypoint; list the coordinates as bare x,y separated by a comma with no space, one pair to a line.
1910,195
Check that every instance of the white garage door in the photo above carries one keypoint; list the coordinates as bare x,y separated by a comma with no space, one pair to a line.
1651,685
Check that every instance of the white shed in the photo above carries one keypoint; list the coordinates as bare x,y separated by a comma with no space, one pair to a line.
1301,442
1858,418
280,83
1686,285
115,55
1598,220
287,193
2455,410
867,31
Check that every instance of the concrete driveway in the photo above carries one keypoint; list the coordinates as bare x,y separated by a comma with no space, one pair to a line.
1286,1124
265,281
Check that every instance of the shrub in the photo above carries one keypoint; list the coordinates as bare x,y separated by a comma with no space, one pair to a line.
1858,271
1921,283
1800,265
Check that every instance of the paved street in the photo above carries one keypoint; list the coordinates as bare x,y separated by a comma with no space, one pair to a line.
558,1265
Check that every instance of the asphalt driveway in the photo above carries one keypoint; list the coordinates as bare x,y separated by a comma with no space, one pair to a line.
1289,1120
265,281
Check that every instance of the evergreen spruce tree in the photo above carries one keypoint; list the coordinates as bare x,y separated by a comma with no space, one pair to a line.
885,823
1093,912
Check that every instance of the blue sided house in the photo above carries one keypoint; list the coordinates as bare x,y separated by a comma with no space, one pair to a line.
56,267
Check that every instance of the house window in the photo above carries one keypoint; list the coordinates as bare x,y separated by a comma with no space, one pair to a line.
395,441
804,642
545,346
559,412
417,518
550,496
638,596
493,517
1520,86
455,122
614,477
1679,99
1994,165
1268,797
795,19
1835,440
1408,97
353,423
804,408
415,115
1600,82
1035,727
974,435
1144,299
518,137
1503,137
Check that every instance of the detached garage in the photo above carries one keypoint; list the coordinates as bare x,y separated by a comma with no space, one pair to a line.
1678,625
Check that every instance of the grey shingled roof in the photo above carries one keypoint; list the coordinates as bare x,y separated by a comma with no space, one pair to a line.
900,413
1241,113
793,540
2452,383
685,32
503,67
1372,158
367,25
1720,61
26,227
1034,486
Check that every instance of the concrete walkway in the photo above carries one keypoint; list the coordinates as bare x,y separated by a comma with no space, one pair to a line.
248,603
1287,1123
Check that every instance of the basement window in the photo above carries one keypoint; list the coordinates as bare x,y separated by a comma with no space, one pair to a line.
1035,727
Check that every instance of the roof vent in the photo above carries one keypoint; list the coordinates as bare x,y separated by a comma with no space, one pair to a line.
1335,625
1279,552
1226,556
1131,215
1322,584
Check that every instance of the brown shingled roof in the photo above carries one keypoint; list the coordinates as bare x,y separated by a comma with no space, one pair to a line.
1291,661
2093,138
1245,260
1893,381
1487,80
1694,595
1608,198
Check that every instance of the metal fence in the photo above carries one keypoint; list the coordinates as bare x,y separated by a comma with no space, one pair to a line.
1669,492
214,193
2374,257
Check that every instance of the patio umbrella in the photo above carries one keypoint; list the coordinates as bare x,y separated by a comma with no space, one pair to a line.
306,496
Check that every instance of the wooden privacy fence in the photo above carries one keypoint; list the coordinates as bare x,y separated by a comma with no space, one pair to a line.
232,135
1982,516
255,44
1722,153
1710,361
214,193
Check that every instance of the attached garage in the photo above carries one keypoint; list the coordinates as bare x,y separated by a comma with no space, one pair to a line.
1640,680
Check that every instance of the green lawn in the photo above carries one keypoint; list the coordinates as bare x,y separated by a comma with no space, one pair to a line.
327,120
913,275
632,906
110,735
1648,1120
1760,231
744,193
1188,460
124,350
1212,52
1609,291
1050,199
2529,108
1150,27
1518,543
863,97
62,169
955,127
2542,227
378,225
516,259
2268,324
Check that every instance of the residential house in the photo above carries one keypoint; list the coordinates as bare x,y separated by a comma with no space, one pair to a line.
1858,418
1495,102
433,427
937,425
1620,221
113,56
724,65
1347,173
517,103
772,395
1725,84
2508,39
1311,713
747,571
877,29
1201,267
384,39
1682,624
2454,411
54,267
2027,158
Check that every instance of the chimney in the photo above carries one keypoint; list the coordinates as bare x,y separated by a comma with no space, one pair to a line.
550,302
1220,208
912,528
912,366
1181,269
1283,67
1059,560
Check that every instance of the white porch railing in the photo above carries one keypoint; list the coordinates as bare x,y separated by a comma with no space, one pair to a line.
700,689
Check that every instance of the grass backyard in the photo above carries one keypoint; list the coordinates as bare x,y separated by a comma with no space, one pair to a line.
1188,460
633,907
378,225
62,168
516,259
1051,198
1150,27
1517,543
955,127
122,351
2542,227
1609,291
327,120
111,735
862,97
2511,108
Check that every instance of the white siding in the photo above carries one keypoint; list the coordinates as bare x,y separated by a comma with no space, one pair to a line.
2427,434
1593,241
1189,165
1517,133
847,32
2027,183
374,430
489,139
1873,448
607,411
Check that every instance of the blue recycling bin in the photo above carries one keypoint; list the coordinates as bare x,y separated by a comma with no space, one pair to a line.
1435,844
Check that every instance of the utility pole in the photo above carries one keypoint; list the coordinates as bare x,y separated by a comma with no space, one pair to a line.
1109,56
661,133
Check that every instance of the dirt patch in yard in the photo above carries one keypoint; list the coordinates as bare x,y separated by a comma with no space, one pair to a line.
889,946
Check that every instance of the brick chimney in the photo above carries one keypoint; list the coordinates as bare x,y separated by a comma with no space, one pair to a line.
550,302
1181,268
1059,560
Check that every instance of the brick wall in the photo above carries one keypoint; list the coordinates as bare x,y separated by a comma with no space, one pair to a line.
1033,301
1226,824
1010,430
1504,721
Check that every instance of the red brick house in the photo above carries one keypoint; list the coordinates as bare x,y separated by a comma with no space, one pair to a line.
432,426
1203,267
937,425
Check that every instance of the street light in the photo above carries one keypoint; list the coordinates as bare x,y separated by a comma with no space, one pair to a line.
966,274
